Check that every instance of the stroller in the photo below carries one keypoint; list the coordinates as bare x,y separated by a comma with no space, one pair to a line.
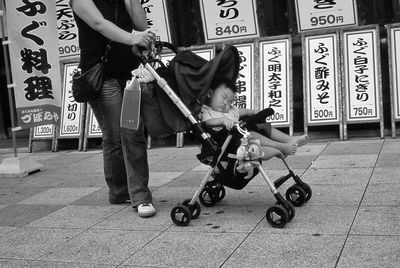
166,111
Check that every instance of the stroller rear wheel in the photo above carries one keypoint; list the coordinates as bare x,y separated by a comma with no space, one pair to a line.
277,216
308,191
207,197
181,215
296,195
194,209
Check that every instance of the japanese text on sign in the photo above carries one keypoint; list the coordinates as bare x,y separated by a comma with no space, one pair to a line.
71,110
322,14
322,77
157,18
231,19
67,30
244,82
274,79
361,75
35,65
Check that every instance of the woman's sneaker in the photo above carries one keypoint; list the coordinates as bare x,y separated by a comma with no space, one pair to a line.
146,210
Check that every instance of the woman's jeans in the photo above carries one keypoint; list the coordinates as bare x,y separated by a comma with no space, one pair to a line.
124,151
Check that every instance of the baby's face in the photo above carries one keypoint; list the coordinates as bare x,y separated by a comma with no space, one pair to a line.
221,99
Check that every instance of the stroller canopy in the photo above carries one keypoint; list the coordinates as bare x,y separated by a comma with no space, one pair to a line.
190,77
193,75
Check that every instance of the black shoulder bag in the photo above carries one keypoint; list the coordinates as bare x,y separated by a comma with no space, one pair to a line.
87,86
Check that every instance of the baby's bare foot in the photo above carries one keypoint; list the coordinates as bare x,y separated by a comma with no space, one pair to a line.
301,140
289,149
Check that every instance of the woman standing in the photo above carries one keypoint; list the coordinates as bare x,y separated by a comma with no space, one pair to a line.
124,152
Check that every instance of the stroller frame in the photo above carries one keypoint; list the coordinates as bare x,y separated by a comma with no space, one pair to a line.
277,215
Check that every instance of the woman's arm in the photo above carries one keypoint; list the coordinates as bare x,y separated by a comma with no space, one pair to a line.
88,12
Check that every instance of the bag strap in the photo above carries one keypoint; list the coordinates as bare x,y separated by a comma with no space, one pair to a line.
105,57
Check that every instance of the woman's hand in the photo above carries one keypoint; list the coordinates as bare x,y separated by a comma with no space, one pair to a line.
143,39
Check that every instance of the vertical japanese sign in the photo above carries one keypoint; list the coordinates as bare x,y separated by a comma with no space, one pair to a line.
67,30
93,126
394,38
229,20
322,89
35,65
244,83
157,18
323,14
361,63
275,63
71,110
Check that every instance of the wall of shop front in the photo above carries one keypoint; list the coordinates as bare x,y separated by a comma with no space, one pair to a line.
275,17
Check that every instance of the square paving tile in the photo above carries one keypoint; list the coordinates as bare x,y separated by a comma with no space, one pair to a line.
334,176
225,219
389,160
315,220
11,195
288,250
52,264
296,162
312,148
391,147
377,220
371,251
22,214
345,161
161,178
385,175
382,194
76,217
353,147
101,246
128,219
59,196
31,243
13,263
174,165
95,180
187,249
336,195
6,230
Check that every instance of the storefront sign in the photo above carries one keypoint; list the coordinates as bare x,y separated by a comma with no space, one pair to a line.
321,79
361,63
323,14
275,82
67,30
71,110
93,126
157,18
228,20
244,82
394,36
35,65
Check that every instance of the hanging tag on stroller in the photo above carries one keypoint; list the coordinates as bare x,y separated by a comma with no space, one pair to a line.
130,112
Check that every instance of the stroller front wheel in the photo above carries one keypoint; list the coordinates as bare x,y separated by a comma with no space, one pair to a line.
181,215
277,216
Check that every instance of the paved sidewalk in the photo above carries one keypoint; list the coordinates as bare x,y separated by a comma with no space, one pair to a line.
60,217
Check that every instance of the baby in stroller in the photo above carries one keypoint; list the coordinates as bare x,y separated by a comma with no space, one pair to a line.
220,111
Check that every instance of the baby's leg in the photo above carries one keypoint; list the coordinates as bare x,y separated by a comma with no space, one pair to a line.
285,147
280,136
